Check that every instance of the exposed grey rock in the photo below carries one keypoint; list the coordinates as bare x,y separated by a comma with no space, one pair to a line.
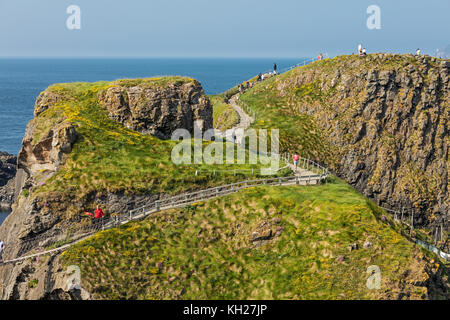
159,111
47,154
8,167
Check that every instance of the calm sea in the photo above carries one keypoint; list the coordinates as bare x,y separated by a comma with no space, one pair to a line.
21,81
3,215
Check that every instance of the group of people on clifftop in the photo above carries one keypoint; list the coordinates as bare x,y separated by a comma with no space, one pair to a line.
261,77
361,51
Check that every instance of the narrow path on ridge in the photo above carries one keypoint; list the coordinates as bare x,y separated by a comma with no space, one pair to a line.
244,119
243,124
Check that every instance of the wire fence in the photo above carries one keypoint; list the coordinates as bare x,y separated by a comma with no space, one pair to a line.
407,216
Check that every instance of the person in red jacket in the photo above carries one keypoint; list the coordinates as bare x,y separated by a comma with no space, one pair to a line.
98,213
296,157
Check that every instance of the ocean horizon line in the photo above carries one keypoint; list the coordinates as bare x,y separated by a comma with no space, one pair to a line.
144,57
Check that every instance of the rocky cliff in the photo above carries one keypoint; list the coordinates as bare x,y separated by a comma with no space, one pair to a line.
83,143
8,164
380,122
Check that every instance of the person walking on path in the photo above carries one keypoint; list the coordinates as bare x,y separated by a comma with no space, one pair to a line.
2,247
296,157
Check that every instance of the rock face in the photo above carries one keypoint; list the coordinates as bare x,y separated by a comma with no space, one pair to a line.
47,153
159,111
7,167
385,118
8,164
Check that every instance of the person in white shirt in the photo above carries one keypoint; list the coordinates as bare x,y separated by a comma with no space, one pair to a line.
360,49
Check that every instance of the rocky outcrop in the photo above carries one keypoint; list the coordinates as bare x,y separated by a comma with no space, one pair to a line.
45,279
385,118
7,167
8,164
147,106
45,100
159,111
46,155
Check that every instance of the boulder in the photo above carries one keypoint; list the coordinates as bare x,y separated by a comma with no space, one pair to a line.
47,153
159,111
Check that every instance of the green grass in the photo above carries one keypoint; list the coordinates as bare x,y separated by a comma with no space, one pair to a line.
108,157
224,116
205,251
298,132
33,283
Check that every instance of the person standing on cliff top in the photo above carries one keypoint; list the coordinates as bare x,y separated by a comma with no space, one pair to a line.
274,68
360,49
2,246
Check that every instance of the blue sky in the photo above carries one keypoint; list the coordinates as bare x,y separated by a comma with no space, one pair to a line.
213,28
